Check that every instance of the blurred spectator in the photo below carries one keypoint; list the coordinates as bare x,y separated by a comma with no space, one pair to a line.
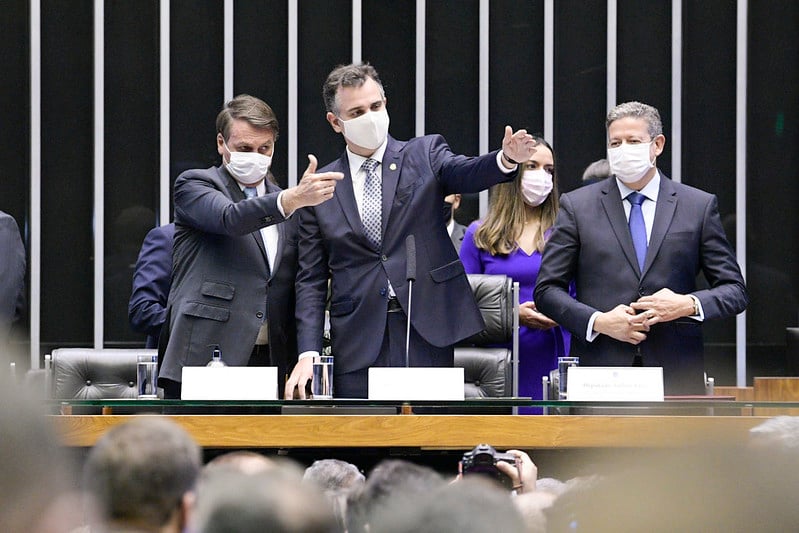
473,505
35,472
12,279
780,432
456,231
337,479
596,171
390,482
276,501
152,279
141,476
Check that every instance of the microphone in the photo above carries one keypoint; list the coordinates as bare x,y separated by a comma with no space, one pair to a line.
410,276
410,258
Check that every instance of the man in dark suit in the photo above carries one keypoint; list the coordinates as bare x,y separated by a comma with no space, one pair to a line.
12,276
235,252
635,259
151,281
392,189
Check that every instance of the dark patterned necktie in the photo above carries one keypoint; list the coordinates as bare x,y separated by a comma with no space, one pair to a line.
372,203
250,192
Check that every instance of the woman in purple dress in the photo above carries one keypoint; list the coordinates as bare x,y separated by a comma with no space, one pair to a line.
510,241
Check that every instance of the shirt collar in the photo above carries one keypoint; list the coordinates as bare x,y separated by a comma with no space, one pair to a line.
261,187
651,189
356,161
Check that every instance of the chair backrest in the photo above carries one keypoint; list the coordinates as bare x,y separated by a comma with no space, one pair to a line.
494,296
88,373
488,370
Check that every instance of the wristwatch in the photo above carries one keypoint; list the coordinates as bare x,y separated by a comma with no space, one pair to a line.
696,304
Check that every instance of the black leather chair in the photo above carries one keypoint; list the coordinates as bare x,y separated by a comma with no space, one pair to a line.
488,371
86,373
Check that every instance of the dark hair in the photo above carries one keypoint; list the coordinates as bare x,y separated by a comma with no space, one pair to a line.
253,110
352,75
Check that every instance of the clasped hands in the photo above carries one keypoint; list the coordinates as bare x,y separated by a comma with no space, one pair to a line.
629,323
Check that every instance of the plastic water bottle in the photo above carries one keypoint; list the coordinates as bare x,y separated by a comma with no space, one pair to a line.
216,357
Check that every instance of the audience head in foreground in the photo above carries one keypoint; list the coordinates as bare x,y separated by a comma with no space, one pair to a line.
141,475
274,500
34,471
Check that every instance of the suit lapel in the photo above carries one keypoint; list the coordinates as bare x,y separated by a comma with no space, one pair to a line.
237,195
664,212
281,235
345,195
611,202
392,164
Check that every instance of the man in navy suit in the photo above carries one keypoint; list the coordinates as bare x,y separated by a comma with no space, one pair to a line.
12,276
639,304
151,281
392,189
235,252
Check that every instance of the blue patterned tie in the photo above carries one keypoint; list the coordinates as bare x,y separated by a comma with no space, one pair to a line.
250,192
638,227
372,203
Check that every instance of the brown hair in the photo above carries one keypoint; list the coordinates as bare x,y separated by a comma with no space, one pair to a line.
352,75
253,110
505,219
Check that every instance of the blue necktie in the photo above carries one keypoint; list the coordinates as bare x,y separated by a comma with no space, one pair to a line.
638,227
250,192
372,203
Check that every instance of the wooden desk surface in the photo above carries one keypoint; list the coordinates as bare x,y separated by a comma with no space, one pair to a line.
433,431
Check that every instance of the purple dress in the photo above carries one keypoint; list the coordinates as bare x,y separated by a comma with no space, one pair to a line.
538,349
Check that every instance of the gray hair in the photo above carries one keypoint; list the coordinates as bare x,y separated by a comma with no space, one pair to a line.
781,431
637,110
598,170
352,75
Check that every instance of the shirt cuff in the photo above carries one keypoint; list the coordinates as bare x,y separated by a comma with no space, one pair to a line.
502,167
280,205
590,334
306,355
701,316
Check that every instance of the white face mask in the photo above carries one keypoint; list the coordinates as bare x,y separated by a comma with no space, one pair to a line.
536,186
629,162
368,130
247,167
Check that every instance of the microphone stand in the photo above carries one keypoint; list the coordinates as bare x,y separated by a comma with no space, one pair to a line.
410,271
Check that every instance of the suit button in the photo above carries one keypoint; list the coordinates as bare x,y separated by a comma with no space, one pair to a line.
383,258
383,292
259,315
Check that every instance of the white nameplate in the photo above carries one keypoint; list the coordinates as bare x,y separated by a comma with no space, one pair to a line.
615,383
416,383
229,383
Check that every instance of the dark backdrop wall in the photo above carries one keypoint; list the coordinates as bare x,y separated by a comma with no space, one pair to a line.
261,44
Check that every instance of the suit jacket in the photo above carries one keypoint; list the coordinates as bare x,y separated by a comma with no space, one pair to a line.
458,231
151,281
417,174
12,275
222,287
591,244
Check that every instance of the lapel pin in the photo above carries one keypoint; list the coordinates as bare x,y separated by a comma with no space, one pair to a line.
393,166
